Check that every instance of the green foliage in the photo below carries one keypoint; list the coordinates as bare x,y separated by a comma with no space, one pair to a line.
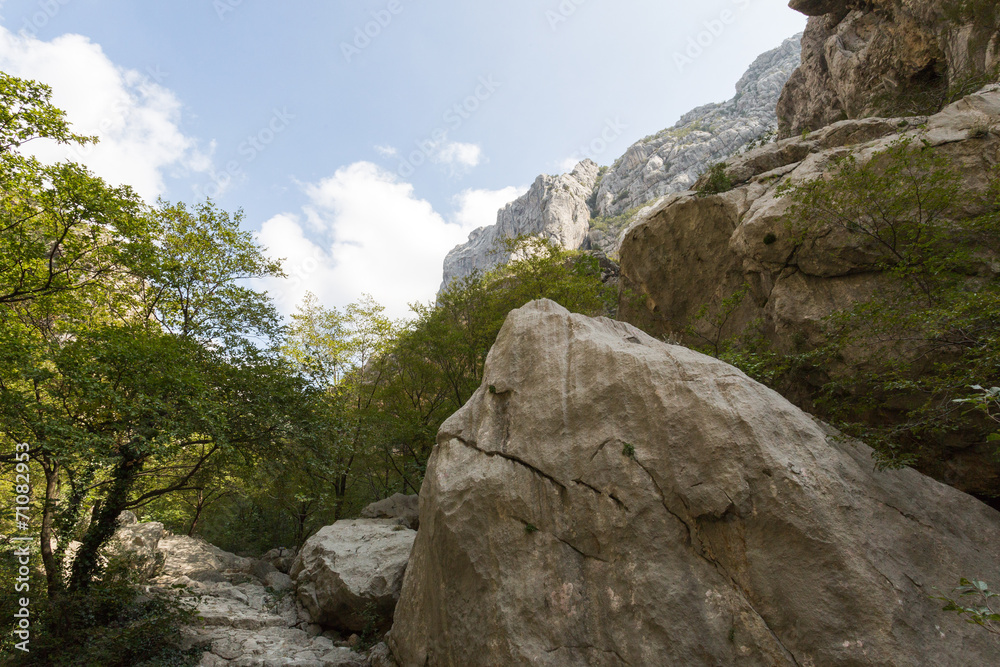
530,528
613,225
132,356
986,401
710,322
372,631
930,331
27,114
976,603
718,181
628,450
114,623
763,139
982,13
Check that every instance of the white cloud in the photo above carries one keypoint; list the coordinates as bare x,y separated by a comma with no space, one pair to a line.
387,151
478,208
369,233
136,118
457,153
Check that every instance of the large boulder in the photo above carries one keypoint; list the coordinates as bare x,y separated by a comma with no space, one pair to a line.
888,58
405,509
608,499
281,558
348,575
193,557
142,541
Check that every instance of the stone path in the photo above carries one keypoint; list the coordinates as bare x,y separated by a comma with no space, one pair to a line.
244,623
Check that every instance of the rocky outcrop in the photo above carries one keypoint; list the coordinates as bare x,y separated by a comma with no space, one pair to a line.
888,58
281,558
405,509
608,499
672,160
348,575
690,250
560,208
142,540
555,208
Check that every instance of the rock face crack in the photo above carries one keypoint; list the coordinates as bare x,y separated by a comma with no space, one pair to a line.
717,565
513,459
596,490
577,549
906,515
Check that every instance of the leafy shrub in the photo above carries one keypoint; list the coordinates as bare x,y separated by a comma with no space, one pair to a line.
717,182
114,623
977,603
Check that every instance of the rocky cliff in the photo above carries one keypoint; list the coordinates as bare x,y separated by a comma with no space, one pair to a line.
672,160
863,58
608,499
555,208
690,250
561,208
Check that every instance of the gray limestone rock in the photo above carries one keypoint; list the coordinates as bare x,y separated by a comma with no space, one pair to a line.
555,208
621,501
690,250
404,508
561,208
888,58
348,575
281,558
672,160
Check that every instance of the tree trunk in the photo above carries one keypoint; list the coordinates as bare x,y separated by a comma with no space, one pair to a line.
87,564
199,506
53,575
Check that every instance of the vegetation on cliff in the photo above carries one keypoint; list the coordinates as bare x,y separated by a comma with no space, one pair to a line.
900,369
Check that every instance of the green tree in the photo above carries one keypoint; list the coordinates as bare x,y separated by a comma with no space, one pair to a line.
127,339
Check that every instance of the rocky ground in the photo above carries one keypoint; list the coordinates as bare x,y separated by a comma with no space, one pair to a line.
344,583
247,608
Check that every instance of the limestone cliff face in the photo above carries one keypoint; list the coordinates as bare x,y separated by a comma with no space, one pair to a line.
672,160
555,208
690,250
888,58
560,208
607,499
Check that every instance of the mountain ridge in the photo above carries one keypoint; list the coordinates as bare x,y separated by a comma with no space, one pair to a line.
563,208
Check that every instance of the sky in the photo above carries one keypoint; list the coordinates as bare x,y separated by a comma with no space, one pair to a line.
364,139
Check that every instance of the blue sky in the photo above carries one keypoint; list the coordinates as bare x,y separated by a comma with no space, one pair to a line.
364,139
